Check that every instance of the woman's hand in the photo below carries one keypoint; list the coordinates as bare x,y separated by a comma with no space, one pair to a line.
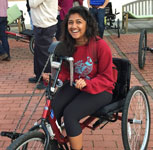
46,77
80,83
102,7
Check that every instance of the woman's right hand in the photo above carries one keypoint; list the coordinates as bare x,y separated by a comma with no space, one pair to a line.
80,83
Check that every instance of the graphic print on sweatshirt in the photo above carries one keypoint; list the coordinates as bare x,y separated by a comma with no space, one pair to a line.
84,68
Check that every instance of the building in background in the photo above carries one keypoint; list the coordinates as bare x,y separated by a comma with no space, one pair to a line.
115,4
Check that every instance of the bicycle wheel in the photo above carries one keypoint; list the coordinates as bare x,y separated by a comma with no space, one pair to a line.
142,48
118,28
31,44
136,120
32,140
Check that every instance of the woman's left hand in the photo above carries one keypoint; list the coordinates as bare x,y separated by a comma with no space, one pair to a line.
80,83
45,77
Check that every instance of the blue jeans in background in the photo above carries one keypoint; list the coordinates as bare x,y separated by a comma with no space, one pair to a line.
99,15
4,45
31,23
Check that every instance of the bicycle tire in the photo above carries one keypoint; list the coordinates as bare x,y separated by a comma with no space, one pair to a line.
142,49
118,28
136,120
31,44
23,142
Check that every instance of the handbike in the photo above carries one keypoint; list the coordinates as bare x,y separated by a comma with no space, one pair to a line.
129,105
23,34
110,19
143,48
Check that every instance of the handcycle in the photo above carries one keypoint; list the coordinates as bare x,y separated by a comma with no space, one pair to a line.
110,19
15,16
143,48
130,105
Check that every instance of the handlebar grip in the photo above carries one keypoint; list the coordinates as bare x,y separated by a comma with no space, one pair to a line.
69,59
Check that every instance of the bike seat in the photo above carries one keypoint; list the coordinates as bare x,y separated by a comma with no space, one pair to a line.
27,32
110,109
53,46
58,48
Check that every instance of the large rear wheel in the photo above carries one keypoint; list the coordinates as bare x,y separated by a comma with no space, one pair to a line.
136,120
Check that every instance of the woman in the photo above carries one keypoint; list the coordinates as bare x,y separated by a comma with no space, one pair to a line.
93,74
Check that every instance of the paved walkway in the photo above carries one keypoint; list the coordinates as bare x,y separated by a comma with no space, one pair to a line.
15,91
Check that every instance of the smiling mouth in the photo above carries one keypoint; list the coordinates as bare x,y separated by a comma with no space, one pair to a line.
75,31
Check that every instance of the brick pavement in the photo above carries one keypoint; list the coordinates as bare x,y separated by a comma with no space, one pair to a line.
15,91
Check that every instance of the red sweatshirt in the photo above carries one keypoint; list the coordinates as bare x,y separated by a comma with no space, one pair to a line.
98,76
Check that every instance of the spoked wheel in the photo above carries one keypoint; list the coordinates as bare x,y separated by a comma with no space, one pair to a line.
31,44
136,120
32,140
118,28
142,48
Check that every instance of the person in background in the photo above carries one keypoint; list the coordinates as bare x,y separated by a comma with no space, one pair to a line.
44,17
93,73
63,8
4,45
77,3
28,10
97,9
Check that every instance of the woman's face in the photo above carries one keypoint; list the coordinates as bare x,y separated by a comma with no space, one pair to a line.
77,27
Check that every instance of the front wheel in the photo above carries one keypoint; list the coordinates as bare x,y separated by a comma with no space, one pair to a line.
32,140
136,120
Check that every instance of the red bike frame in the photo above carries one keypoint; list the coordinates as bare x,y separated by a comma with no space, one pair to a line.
49,114
18,35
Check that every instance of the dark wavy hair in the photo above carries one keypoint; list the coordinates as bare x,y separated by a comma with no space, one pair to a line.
91,28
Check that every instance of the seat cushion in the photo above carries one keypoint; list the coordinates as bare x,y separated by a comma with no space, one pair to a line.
133,16
111,108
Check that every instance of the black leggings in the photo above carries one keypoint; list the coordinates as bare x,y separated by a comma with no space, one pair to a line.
74,105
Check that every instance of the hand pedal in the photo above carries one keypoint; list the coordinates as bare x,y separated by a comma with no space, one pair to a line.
11,135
